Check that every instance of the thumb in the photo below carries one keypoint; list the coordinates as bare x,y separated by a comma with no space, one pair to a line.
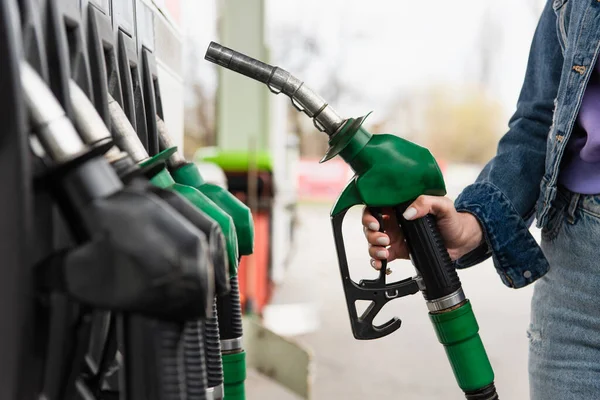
423,205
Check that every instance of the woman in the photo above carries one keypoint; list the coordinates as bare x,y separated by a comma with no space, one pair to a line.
547,167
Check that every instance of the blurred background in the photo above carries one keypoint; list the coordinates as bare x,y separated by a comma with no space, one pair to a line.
443,74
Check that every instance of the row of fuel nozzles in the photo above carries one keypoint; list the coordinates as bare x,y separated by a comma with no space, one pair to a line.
152,238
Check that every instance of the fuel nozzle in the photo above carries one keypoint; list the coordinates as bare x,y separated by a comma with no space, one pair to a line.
376,161
279,81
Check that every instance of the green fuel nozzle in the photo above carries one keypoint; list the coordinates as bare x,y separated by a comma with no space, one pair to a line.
390,173
126,138
149,345
187,173
229,329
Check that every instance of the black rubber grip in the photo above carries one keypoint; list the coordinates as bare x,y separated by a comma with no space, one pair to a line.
487,393
194,359
229,311
429,255
212,345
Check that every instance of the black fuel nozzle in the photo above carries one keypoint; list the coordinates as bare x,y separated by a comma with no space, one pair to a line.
127,139
211,229
135,252
201,348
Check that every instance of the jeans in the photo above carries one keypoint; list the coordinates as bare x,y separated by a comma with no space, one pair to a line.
564,334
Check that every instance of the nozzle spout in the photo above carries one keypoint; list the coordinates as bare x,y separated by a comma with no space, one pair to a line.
89,124
54,130
124,134
278,80
165,142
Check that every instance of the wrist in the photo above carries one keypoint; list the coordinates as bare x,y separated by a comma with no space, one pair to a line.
472,232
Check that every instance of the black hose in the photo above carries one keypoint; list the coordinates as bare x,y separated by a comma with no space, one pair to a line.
212,345
194,361
169,351
230,312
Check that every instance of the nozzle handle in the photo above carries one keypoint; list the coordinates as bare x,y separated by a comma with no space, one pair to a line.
429,255
376,291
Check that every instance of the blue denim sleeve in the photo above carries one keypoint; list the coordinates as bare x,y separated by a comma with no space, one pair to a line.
517,256
504,196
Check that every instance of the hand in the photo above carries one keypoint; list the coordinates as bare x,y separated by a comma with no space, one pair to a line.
460,230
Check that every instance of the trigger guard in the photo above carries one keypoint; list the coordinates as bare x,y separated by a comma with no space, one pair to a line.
365,330
389,327
370,290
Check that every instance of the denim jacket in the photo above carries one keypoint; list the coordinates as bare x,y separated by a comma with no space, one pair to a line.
520,183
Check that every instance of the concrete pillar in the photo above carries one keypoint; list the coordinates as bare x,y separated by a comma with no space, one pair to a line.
242,104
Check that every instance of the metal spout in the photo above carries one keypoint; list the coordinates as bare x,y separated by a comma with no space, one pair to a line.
278,81
124,135
90,125
55,132
165,142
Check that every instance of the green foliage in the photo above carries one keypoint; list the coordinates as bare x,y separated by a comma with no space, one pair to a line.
462,126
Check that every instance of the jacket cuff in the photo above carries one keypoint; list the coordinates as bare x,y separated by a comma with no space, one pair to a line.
517,257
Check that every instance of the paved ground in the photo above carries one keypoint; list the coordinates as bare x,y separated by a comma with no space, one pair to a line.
409,364
259,387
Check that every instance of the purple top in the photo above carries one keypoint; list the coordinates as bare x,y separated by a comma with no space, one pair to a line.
580,172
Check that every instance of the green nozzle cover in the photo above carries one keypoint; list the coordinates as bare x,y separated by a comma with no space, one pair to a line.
389,170
164,180
234,375
188,174
458,331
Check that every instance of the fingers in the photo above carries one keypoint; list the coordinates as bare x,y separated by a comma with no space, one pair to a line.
394,252
376,264
390,225
398,251
383,246
390,244
423,205
377,238
369,221
371,230
378,252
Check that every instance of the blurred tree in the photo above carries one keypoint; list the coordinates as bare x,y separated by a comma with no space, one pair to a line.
298,50
461,126
199,122
489,41
402,117
294,49
200,78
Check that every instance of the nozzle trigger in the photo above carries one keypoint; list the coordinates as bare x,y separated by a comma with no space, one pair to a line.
378,214
377,291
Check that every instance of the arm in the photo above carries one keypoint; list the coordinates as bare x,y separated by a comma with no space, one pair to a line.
503,197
